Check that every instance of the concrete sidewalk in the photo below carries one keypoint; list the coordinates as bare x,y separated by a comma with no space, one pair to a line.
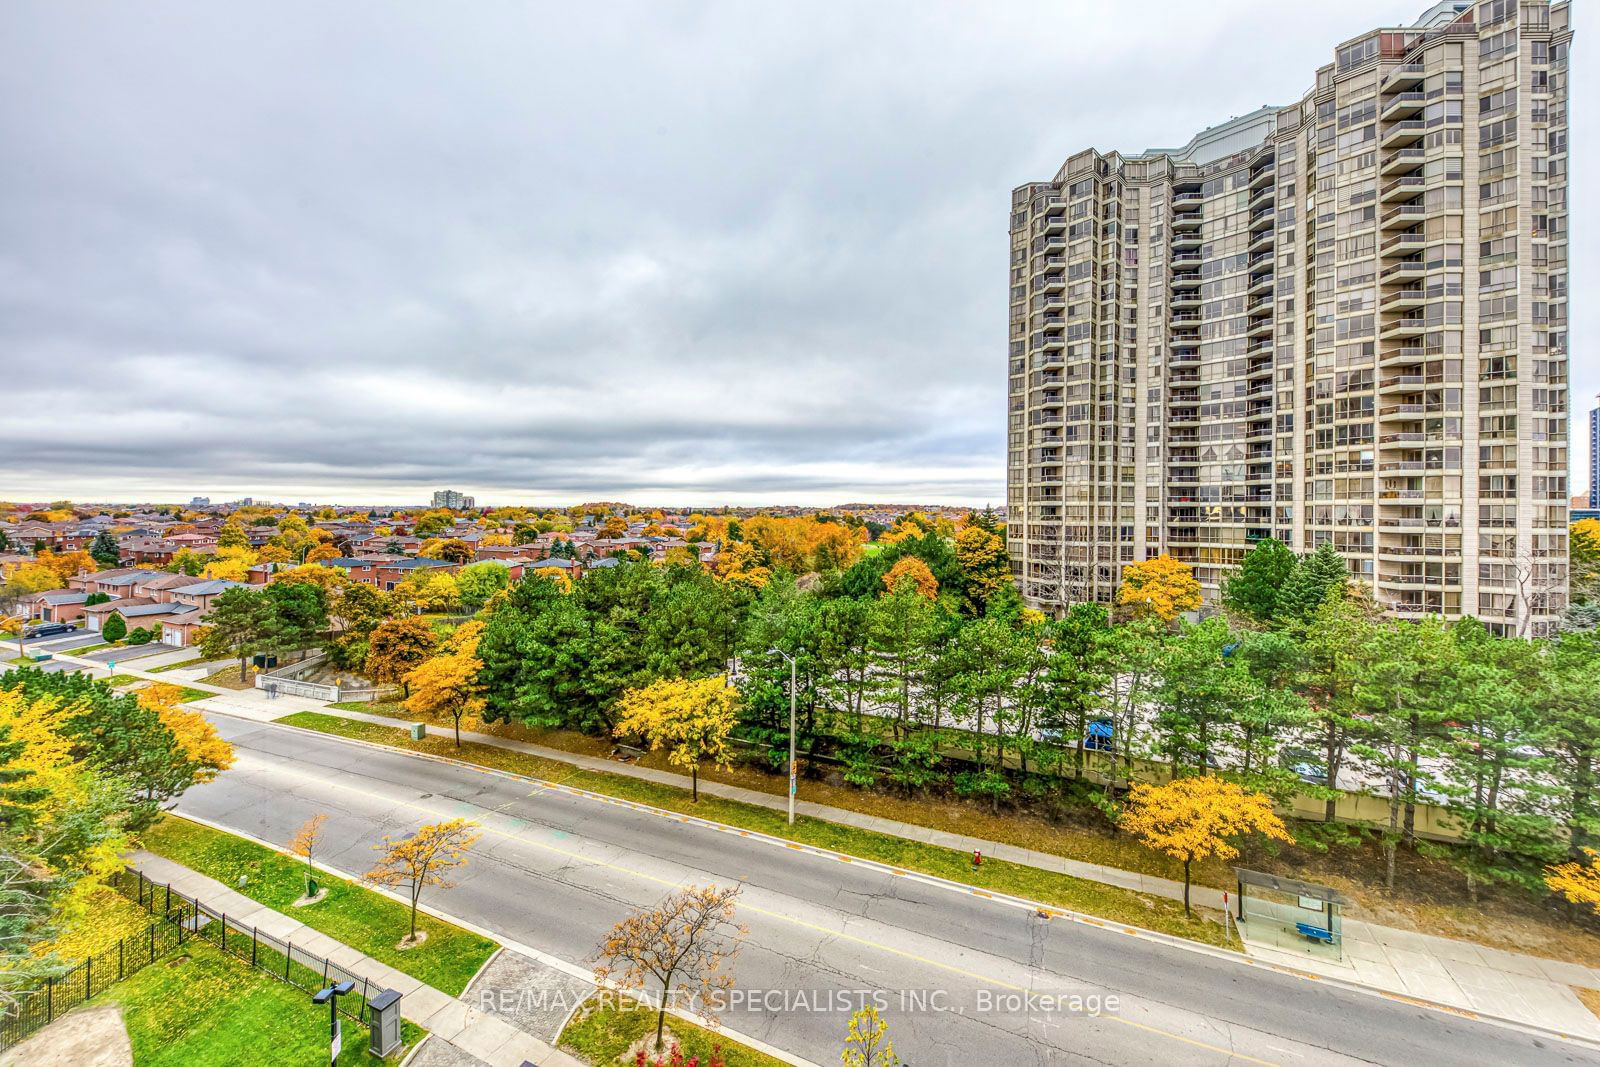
1474,977
477,1034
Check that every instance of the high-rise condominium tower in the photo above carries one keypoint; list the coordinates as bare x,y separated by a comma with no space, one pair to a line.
1344,321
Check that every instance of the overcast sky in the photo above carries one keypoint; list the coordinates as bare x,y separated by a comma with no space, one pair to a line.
664,252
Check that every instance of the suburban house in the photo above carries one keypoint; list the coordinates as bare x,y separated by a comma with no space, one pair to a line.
392,572
57,605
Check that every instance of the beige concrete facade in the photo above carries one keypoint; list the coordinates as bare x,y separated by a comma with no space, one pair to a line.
1340,321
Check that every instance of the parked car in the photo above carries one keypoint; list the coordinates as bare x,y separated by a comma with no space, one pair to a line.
1305,765
50,629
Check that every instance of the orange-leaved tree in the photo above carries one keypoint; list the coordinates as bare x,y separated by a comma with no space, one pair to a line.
913,570
1163,587
305,843
398,647
1197,818
690,718
690,938
424,859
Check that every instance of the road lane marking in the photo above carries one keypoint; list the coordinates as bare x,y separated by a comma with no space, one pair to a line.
828,932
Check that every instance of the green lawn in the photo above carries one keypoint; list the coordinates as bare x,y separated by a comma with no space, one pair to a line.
178,666
1059,890
196,1007
601,1030
359,917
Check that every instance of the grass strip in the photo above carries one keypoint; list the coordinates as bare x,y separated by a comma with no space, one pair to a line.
607,1025
1059,890
366,921
197,1005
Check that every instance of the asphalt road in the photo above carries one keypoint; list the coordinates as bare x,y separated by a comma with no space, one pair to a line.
555,871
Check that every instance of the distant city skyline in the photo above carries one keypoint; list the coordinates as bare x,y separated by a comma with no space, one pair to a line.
738,253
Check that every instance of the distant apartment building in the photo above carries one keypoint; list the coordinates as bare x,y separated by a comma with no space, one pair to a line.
1594,456
1340,321
449,498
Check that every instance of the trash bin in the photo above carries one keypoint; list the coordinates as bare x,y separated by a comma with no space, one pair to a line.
385,1020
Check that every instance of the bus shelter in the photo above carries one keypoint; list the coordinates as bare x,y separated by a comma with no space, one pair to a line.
1290,915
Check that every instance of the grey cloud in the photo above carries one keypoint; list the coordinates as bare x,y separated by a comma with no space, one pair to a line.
692,251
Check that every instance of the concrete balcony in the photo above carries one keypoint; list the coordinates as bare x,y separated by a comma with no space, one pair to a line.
1402,161
1403,133
1402,105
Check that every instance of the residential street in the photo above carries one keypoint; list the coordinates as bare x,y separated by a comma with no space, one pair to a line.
554,871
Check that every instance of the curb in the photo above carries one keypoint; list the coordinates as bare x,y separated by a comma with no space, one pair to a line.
1047,912
504,943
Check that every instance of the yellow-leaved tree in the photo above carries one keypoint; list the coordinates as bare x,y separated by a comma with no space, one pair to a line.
64,840
1578,881
1163,587
867,1044
231,565
1197,818
690,718
448,683
424,859
197,739
737,563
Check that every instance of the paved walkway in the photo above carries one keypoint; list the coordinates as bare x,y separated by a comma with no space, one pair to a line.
1492,981
1510,985
477,1034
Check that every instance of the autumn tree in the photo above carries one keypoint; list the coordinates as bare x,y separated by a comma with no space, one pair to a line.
230,565
690,939
432,523
398,647
981,551
738,563
1163,587
1578,882
913,570
1197,818
448,683
305,844
233,535
867,1043
424,859
691,719
452,550
199,747
613,528
67,565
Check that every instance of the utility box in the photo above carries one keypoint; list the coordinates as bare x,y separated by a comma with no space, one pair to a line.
419,730
385,1020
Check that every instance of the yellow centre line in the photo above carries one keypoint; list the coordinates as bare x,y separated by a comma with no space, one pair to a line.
779,916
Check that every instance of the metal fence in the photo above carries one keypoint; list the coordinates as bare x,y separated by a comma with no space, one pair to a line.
31,1010
178,919
281,959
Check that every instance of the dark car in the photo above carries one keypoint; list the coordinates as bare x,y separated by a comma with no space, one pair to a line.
49,629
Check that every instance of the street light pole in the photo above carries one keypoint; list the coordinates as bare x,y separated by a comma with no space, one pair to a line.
793,776
330,996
